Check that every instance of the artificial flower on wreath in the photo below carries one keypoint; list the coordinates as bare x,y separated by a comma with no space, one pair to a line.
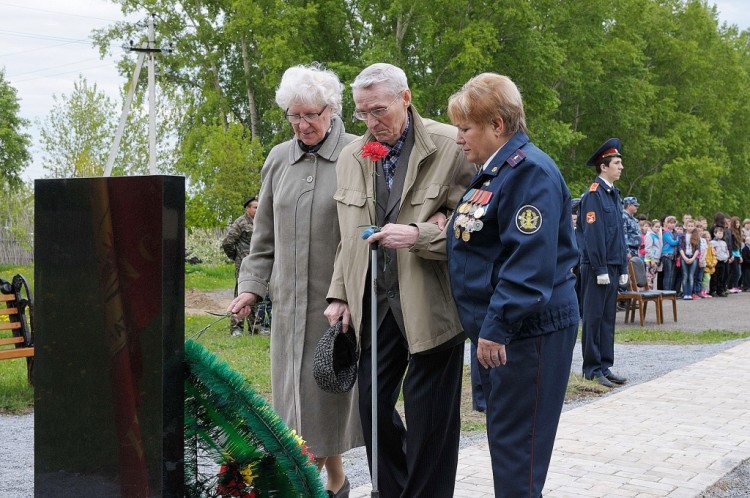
234,481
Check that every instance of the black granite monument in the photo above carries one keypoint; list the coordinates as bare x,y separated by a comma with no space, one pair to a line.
109,334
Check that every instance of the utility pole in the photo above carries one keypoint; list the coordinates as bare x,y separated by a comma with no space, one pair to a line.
147,49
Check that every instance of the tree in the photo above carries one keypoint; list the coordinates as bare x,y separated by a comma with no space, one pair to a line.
14,143
222,166
79,130
662,75
77,133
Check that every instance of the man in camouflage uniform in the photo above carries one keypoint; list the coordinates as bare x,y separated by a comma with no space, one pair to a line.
631,226
236,245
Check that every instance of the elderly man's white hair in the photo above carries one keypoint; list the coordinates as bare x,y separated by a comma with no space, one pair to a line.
390,76
310,85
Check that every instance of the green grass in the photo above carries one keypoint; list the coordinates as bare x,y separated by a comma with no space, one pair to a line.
203,277
653,336
16,395
248,355
7,272
209,277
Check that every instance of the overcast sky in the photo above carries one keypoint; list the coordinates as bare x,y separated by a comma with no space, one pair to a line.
45,45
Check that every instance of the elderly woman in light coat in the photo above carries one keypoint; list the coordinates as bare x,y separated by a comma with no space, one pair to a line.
292,253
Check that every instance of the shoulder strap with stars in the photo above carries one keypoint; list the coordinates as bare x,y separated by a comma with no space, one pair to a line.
593,187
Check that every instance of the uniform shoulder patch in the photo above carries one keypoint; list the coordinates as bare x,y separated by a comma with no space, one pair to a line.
593,187
591,217
528,219
516,158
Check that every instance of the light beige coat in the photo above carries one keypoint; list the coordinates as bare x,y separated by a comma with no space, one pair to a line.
292,252
437,176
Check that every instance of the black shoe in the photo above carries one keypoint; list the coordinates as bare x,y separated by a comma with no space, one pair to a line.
615,378
621,307
343,492
601,379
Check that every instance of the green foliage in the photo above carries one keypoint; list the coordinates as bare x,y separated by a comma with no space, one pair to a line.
205,244
662,76
78,132
232,162
14,143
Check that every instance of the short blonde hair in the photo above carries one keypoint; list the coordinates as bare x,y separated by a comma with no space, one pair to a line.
487,97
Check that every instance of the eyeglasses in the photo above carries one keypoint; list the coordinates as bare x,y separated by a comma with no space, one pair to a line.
375,113
309,117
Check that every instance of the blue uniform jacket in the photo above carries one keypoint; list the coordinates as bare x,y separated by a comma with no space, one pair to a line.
600,222
512,279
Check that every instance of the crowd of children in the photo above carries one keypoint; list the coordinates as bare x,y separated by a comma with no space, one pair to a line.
694,259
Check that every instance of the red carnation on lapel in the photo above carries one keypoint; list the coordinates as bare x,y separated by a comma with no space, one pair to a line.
374,150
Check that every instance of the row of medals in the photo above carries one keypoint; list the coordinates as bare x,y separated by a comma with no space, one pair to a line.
469,213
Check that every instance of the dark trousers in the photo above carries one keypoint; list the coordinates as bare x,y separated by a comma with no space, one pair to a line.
420,461
718,282
599,313
524,401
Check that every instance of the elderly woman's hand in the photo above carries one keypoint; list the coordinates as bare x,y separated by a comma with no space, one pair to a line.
240,306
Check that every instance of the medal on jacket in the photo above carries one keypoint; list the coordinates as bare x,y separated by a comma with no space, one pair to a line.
471,209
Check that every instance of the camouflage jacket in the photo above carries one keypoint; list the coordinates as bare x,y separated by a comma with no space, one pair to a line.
236,244
632,232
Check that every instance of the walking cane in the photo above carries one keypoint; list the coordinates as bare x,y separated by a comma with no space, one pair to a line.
373,355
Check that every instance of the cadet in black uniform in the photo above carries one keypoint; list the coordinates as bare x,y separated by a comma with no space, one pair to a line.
603,263
511,251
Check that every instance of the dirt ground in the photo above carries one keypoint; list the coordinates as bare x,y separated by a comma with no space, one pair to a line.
198,302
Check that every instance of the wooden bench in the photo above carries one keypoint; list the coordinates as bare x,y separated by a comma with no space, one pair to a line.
21,342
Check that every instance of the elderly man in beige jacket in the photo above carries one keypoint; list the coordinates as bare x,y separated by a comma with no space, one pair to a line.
420,341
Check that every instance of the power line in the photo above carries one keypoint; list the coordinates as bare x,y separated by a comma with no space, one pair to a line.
63,72
57,12
46,47
53,67
43,37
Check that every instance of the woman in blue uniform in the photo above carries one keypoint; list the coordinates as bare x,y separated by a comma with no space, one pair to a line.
511,249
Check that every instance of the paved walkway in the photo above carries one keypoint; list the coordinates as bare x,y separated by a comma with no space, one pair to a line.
673,436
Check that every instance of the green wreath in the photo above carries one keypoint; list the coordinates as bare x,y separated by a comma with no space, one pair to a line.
235,444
